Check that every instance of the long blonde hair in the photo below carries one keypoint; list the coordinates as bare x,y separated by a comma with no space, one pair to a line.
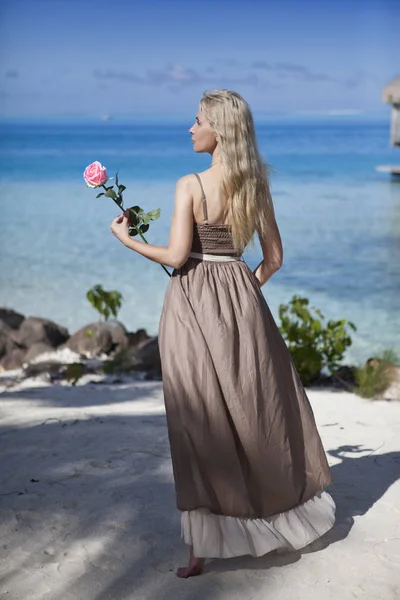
245,178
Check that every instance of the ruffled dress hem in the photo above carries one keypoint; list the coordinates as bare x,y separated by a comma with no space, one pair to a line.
218,536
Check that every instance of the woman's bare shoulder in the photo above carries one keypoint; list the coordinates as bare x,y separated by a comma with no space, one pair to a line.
190,183
186,180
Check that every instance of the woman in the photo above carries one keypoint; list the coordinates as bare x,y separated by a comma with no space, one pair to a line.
249,466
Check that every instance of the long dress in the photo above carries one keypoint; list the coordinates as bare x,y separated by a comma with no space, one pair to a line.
248,462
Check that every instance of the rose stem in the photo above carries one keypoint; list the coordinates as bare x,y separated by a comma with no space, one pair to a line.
139,232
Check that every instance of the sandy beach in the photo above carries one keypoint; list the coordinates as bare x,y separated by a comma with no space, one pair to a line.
88,510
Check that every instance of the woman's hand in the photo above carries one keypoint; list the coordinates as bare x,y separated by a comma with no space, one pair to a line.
120,228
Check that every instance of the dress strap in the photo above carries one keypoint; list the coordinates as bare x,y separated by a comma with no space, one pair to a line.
203,199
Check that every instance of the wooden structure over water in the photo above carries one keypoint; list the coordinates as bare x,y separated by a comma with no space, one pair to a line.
391,95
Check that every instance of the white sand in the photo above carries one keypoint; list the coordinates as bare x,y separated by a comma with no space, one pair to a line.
87,508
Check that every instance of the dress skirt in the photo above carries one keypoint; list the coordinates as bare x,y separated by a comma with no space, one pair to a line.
249,467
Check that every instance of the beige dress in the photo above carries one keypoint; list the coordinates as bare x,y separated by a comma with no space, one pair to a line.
248,462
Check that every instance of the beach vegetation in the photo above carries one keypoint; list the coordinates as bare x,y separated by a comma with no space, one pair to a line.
74,372
378,373
105,302
121,362
313,343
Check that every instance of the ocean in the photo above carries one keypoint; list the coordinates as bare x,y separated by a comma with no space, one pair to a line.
339,219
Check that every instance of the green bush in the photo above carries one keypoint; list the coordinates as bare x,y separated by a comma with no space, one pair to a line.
376,375
313,344
105,302
120,363
74,372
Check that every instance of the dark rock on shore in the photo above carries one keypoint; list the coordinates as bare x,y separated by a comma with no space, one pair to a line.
148,357
11,318
9,322
36,350
91,340
22,339
34,330
14,359
39,346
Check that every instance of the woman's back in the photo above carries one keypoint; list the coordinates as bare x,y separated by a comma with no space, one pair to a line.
210,234
209,204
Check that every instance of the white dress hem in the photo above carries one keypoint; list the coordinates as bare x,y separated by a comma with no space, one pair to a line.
218,536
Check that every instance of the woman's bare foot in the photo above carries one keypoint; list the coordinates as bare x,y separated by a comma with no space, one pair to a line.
195,567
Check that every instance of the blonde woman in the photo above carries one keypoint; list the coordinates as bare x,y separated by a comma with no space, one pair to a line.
248,462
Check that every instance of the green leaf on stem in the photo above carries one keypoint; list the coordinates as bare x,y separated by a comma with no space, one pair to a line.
143,228
116,179
137,209
145,218
121,188
133,217
132,231
154,214
102,194
111,194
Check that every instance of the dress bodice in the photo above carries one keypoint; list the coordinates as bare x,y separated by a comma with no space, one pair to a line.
212,239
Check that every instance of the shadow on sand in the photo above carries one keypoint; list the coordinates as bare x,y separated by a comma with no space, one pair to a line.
89,503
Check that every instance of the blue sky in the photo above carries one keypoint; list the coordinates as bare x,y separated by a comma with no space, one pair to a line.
157,57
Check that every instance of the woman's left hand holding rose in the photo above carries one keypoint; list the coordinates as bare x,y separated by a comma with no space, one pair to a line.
120,228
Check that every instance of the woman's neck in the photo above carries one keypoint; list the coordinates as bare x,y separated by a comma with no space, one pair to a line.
216,157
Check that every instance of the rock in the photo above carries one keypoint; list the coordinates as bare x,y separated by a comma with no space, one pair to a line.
99,338
136,338
36,350
6,344
143,357
35,329
118,333
3,345
51,369
13,359
147,357
92,340
148,352
11,318
4,330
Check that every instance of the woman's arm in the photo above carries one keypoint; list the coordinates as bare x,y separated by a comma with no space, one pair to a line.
272,253
181,232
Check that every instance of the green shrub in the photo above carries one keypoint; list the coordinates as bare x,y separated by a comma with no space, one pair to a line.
120,363
312,344
376,375
105,302
74,372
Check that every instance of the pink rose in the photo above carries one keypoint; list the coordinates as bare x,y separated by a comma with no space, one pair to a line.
95,175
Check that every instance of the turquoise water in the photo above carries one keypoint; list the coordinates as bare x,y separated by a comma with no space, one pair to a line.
339,219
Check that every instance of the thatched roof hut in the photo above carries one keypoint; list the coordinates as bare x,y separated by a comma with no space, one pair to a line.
391,95
391,92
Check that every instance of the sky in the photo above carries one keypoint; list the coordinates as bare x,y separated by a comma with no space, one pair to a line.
148,57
